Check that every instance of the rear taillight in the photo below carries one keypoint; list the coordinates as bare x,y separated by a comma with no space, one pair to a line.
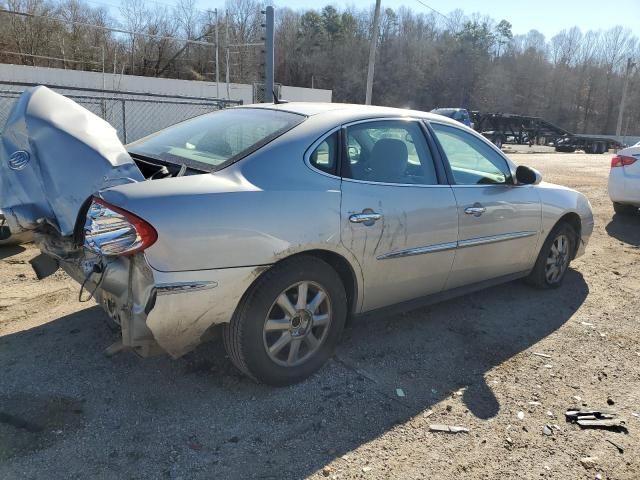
110,230
621,161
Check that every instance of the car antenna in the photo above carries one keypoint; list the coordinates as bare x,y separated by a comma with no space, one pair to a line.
276,100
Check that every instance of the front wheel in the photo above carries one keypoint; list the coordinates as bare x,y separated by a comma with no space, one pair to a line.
289,322
554,257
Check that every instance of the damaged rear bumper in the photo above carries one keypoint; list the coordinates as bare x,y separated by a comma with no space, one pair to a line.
162,311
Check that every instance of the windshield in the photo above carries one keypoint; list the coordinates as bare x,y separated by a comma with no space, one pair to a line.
217,139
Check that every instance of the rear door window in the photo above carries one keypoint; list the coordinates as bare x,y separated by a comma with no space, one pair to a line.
389,151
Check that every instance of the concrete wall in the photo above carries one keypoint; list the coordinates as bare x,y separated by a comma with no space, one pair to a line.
130,83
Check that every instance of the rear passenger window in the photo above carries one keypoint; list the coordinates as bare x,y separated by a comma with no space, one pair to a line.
389,151
325,155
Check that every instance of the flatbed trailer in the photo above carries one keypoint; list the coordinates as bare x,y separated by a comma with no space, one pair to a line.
510,128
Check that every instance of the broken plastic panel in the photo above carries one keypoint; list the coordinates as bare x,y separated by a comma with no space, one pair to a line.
55,154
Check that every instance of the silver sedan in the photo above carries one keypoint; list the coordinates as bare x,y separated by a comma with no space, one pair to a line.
276,223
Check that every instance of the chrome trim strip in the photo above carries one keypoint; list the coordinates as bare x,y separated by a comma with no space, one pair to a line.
439,247
443,247
472,242
183,287
419,185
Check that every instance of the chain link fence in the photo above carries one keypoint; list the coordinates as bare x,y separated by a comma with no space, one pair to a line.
259,94
133,115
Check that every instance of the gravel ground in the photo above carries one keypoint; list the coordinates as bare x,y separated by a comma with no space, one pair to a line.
68,411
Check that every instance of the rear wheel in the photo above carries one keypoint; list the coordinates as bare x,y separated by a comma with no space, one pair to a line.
289,323
554,257
622,209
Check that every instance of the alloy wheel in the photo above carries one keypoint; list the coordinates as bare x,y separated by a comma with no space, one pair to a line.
558,259
297,323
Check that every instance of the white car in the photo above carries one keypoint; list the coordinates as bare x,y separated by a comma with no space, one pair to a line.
624,180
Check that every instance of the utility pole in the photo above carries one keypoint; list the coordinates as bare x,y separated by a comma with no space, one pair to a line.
268,55
217,62
623,100
226,37
372,53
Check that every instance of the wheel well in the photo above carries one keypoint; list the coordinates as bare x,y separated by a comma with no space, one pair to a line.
573,220
343,269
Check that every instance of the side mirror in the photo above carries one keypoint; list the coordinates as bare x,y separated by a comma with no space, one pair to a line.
528,176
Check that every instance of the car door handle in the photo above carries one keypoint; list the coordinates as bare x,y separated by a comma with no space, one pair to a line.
368,218
476,210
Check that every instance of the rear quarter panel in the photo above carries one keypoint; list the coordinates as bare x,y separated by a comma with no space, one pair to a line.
264,208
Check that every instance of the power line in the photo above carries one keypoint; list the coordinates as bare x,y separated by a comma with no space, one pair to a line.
100,27
45,57
433,9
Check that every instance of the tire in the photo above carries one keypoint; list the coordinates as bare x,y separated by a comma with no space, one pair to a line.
247,337
543,276
565,149
622,209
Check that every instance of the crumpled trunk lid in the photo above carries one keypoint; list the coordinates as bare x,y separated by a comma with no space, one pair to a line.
54,154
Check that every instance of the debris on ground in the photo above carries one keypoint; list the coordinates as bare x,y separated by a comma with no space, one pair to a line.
520,415
447,428
619,447
589,462
428,413
588,418
547,431
459,392
399,392
543,355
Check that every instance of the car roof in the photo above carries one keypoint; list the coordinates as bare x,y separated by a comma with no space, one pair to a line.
350,110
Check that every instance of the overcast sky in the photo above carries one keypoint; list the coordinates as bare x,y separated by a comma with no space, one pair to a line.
547,16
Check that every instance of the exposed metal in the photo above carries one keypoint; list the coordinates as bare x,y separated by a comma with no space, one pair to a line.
183,287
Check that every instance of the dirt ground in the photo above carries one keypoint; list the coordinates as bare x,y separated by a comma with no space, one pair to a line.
68,411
